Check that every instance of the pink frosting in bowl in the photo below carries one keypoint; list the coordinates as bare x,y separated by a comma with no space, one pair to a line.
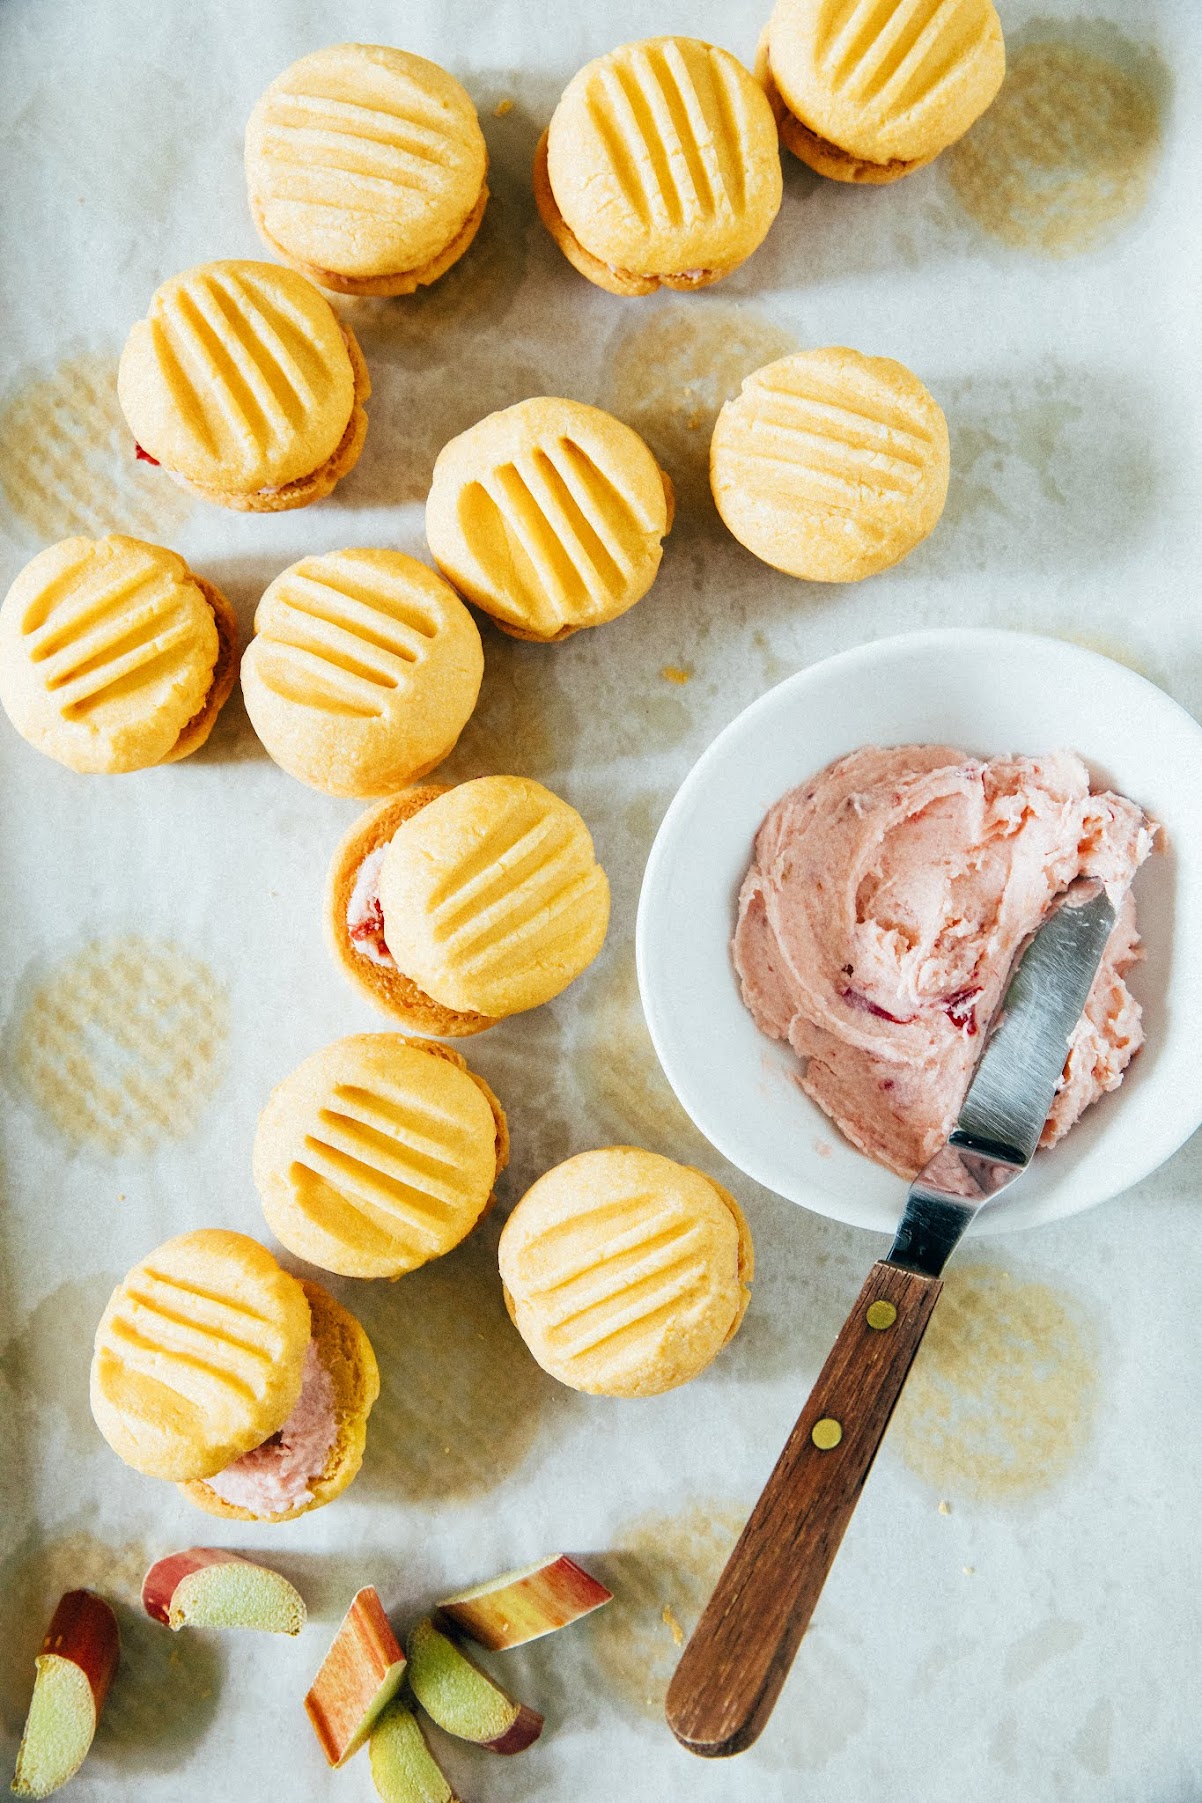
885,902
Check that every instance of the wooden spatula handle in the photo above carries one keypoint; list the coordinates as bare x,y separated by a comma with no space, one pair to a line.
732,1669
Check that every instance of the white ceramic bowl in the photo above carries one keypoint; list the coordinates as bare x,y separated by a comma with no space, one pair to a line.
992,693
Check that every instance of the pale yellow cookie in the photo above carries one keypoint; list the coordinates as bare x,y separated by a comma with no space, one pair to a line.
199,1355
830,465
492,898
354,923
550,515
624,1272
113,655
363,671
660,167
378,1154
347,1357
365,169
871,90
244,385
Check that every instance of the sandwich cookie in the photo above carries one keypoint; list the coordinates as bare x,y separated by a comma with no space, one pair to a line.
830,465
114,655
872,90
624,1272
363,671
550,516
378,1154
365,169
245,386
250,1389
660,167
451,908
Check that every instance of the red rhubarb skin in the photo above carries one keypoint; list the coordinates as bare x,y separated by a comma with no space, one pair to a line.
539,1604
84,1630
523,1731
165,1576
361,1655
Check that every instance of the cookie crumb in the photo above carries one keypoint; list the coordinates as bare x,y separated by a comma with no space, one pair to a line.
674,673
970,1571
945,1508
502,107
672,1625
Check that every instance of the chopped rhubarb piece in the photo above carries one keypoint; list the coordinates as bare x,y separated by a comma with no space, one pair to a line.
359,1677
461,1697
854,999
206,1587
523,1605
74,1670
961,1010
403,1768
141,456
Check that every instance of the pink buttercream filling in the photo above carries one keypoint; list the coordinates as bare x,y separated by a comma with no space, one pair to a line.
883,908
364,915
279,1475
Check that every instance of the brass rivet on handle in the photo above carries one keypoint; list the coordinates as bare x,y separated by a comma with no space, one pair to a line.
881,1314
827,1433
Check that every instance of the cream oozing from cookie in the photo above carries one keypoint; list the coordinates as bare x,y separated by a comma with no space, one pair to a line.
279,1475
365,916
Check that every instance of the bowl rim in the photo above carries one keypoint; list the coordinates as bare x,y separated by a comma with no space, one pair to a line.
1057,1204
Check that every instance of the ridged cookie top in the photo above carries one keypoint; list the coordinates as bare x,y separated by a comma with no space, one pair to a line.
625,1272
887,79
198,1355
829,464
107,651
364,668
239,377
663,158
550,515
375,1155
363,160
492,899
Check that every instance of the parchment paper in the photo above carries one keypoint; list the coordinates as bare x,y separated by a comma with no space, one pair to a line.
1016,1608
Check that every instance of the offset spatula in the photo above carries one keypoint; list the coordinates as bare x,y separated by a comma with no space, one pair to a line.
733,1667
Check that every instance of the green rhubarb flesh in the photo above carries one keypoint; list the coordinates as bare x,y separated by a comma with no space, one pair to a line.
58,1728
238,1596
403,1769
453,1691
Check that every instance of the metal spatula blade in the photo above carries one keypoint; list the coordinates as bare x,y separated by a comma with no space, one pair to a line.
1012,1089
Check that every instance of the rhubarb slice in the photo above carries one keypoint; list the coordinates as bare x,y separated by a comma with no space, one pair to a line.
403,1769
524,1605
206,1587
74,1670
461,1697
359,1677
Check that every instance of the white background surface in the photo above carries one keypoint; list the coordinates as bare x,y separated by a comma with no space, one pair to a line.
1058,1666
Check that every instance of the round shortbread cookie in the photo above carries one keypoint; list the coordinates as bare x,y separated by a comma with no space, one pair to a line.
492,899
550,516
624,1272
873,90
830,465
362,955
661,165
365,168
199,1355
113,655
346,1354
363,671
377,1154
241,382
